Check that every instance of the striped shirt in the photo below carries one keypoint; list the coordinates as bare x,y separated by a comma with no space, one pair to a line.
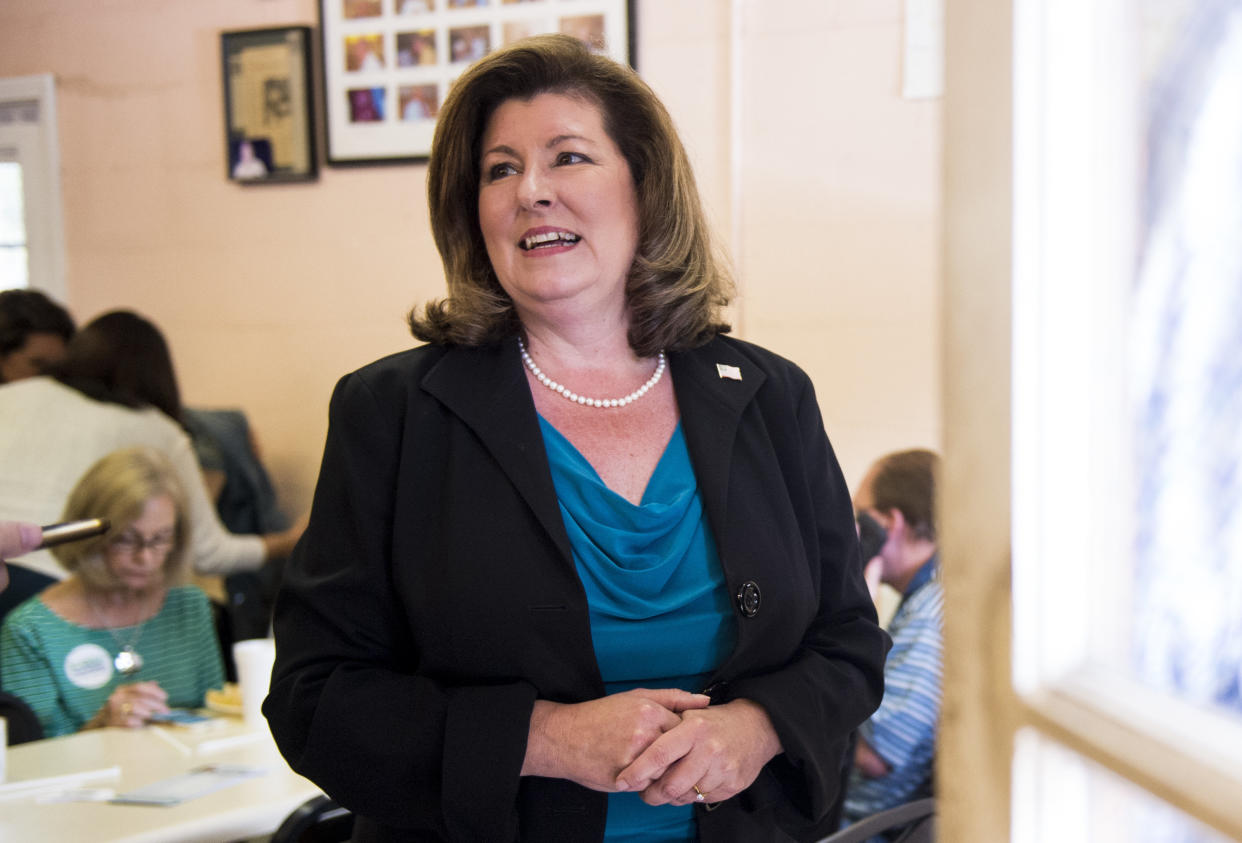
903,730
65,671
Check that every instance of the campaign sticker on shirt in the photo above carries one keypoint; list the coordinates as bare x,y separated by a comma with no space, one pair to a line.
88,666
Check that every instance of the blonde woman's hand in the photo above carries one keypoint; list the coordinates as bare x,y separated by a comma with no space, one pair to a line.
132,705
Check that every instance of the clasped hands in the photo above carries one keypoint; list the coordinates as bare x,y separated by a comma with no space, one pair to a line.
661,742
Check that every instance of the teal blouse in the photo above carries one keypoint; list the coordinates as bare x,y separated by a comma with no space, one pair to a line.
660,612
65,673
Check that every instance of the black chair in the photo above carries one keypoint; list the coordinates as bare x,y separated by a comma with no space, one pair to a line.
24,583
913,822
317,820
21,722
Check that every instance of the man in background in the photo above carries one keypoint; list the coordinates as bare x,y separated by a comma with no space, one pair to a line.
894,754
33,333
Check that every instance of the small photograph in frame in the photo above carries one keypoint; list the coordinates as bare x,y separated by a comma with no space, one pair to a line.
586,28
366,105
414,7
268,105
419,102
362,9
364,53
516,30
388,65
468,43
417,48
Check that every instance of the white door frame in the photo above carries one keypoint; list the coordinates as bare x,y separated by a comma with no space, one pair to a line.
28,135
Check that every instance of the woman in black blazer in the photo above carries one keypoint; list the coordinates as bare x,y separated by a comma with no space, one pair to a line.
522,613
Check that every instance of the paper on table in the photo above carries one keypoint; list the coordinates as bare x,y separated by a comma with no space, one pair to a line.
27,787
230,741
76,794
198,782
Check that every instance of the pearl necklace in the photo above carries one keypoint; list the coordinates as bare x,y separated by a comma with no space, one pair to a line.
582,399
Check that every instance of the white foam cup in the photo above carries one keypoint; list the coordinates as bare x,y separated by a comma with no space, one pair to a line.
254,658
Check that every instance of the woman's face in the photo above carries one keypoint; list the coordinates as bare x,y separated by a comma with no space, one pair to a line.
137,554
35,356
557,205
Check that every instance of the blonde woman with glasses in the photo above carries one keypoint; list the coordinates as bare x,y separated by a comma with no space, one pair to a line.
120,641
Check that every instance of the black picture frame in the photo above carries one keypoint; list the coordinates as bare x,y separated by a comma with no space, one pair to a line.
387,64
269,123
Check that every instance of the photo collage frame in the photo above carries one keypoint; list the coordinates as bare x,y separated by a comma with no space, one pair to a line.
388,64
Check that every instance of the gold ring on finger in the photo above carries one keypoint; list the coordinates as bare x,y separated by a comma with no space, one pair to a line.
698,797
126,708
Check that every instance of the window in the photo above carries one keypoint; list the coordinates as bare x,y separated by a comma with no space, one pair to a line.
31,228
1068,799
1094,274
13,267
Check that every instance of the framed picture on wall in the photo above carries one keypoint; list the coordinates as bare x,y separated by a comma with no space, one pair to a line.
268,105
388,64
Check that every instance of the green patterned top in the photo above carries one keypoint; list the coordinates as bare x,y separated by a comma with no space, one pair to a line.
65,671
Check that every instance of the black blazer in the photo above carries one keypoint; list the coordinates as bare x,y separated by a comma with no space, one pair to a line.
434,598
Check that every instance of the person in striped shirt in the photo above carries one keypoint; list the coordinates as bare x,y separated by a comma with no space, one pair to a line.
895,748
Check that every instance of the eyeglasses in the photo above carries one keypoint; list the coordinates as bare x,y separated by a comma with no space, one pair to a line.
132,543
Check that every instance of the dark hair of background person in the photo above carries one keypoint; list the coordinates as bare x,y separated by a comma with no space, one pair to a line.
678,284
906,481
26,312
122,358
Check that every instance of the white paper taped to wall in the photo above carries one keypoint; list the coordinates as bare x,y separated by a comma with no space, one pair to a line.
923,59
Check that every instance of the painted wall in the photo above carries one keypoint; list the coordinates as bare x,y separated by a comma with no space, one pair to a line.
820,177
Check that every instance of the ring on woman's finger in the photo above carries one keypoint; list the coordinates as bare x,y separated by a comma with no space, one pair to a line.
698,794
126,708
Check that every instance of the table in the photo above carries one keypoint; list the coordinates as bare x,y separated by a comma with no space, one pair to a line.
125,759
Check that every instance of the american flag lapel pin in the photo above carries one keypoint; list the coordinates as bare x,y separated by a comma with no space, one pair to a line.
731,372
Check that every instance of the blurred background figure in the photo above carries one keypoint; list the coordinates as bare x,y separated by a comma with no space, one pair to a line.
16,538
121,639
871,539
114,389
895,749
228,453
33,333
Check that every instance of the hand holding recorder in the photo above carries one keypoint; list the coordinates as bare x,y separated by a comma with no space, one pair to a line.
18,537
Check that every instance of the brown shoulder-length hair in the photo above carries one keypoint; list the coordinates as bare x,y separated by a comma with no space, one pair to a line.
677,286
122,358
117,488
